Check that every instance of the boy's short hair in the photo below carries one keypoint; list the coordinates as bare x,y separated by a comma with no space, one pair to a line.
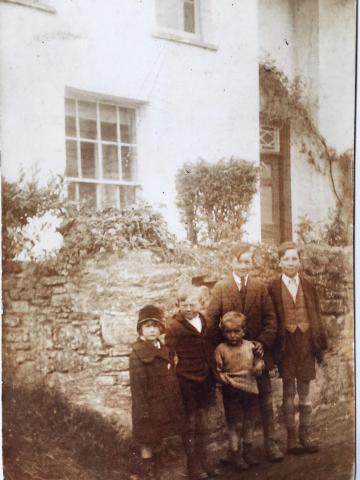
284,247
186,290
242,248
231,317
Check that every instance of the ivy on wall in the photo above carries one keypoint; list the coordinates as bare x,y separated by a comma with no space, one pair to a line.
284,100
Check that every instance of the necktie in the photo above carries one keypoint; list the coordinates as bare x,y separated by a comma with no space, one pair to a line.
242,292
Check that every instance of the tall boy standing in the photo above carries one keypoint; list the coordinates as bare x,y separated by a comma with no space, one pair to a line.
189,337
242,293
300,342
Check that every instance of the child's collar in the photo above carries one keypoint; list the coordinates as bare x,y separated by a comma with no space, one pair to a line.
147,352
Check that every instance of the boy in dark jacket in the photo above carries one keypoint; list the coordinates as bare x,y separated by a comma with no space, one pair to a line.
301,340
157,410
189,338
242,293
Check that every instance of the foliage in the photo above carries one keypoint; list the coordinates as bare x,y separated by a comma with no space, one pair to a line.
334,232
214,199
285,101
23,200
85,230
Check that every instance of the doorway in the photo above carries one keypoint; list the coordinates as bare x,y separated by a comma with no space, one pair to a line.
275,182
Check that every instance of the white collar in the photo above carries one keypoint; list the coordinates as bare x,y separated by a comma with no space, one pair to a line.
238,280
156,344
289,280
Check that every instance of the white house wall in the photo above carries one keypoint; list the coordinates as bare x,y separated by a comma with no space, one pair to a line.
337,72
321,50
199,102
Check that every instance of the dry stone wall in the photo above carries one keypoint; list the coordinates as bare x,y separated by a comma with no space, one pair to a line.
73,333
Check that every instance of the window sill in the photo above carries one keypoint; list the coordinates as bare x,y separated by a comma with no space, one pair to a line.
173,37
32,4
130,183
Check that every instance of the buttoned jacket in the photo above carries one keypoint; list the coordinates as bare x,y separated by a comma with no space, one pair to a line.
194,349
261,323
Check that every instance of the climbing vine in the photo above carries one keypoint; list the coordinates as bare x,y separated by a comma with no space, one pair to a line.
284,101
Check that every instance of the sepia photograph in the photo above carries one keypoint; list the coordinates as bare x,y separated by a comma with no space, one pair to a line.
177,197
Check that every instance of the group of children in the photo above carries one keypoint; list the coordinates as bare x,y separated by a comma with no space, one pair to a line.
234,338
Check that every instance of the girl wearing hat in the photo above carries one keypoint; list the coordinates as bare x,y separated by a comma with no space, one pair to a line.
157,410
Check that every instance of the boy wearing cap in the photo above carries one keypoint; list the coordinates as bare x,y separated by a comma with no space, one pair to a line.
157,410
301,340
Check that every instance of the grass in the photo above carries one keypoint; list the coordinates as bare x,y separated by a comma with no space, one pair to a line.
47,438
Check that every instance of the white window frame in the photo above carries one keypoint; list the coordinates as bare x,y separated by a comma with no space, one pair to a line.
181,21
78,96
179,34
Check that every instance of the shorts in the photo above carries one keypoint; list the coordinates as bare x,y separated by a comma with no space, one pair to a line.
238,404
298,360
197,395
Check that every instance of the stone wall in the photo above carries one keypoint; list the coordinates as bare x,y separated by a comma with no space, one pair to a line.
73,333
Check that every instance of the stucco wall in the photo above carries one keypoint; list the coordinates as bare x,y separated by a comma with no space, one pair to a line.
200,102
337,48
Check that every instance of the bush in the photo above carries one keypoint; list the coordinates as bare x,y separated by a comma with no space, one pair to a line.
334,233
21,201
85,230
214,199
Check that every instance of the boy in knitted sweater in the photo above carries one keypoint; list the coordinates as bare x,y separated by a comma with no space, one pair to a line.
237,365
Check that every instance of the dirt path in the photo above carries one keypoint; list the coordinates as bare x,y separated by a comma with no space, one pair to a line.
335,431
334,461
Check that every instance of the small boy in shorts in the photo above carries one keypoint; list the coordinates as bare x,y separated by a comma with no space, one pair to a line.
301,340
157,410
237,365
189,338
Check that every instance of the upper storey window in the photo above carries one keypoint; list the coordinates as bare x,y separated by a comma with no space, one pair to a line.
186,21
178,16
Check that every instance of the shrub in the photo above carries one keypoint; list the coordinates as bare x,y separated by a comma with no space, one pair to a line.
21,201
334,233
85,230
214,199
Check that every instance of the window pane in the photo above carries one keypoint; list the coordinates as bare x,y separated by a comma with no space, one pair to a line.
127,195
87,120
71,162
108,194
89,160
189,17
72,191
108,123
87,192
70,124
127,163
266,205
110,162
127,125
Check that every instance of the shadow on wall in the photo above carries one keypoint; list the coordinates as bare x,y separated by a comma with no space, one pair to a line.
45,437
